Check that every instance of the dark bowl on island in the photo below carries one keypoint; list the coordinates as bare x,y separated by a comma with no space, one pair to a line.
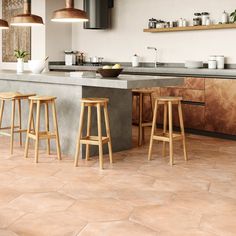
112,73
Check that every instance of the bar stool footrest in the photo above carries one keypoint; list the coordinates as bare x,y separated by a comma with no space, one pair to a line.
42,135
166,137
6,128
93,140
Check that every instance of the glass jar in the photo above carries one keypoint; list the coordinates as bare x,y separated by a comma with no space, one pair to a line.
196,21
152,23
199,17
205,17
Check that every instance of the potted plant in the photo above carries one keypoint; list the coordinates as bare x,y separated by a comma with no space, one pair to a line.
233,16
20,55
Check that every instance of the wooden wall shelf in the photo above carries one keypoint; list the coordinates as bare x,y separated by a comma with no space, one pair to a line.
191,28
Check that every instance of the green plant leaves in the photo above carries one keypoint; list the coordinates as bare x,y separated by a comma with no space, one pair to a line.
20,53
233,16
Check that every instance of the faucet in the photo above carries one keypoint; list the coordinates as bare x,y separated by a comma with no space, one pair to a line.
155,60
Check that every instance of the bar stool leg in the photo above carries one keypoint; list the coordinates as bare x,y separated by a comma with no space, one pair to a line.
170,133
108,131
153,130
54,113
88,131
47,126
140,133
37,131
12,125
28,129
79,135
1,112
143,129
182,130
99,122
19,120
32,126
164,129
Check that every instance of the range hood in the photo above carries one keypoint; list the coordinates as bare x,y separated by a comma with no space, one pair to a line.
99,14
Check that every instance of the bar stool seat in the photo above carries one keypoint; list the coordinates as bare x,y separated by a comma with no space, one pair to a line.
95,100
169,98
42,98
88,139
12,97
36,134
141,94
166,136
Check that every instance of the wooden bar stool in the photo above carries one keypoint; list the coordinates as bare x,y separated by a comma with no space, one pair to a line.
94,140
15,98
168,102
142,123
37,134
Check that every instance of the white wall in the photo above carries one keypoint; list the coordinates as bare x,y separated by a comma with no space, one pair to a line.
50,39
37,34
58,35
127,37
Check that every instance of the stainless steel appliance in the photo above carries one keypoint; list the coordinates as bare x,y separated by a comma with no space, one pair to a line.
99,14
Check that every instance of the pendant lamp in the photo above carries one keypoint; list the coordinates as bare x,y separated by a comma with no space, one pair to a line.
27,19
3,24
69,14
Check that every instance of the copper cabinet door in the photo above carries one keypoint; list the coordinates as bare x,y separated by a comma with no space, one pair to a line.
220,114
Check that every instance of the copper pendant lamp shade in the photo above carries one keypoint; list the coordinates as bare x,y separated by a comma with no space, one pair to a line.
69,14
3,24
27,19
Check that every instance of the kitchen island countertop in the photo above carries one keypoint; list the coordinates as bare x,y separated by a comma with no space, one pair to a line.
122,82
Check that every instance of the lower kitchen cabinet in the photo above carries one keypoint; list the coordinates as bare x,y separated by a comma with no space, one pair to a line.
220,114
208,104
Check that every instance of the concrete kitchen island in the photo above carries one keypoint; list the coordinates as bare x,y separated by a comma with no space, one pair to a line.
69,91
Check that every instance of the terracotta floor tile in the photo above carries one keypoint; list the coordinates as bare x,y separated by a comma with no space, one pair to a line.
227,189
204,202
37,184
144,196
221,224
166,217
53,224
181,185
35,170
42,202
9,216
132,196
7,233
193,232
87,189
102,209
116,228
123,181
7,195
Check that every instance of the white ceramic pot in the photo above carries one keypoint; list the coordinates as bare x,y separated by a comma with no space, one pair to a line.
36,66
212,64
20,65
220,62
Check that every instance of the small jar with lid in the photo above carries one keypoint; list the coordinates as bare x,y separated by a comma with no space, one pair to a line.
196,21
152,23
205,17
198,18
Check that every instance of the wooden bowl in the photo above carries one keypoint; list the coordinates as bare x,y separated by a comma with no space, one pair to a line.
113,73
